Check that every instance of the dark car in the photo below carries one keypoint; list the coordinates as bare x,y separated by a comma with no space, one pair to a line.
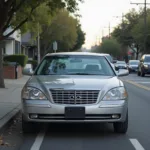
144,65
120,65
133,65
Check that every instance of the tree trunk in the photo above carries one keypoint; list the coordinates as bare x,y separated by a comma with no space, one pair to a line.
2,85
137,53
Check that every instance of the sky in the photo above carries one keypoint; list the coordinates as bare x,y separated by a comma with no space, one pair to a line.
96,15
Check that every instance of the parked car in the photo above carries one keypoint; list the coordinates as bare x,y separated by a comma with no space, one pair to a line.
120,65
75,87
144,65
133,65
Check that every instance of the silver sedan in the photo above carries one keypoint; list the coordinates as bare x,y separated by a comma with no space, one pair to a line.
75,87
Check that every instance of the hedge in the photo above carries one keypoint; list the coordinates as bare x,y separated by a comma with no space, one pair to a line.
20,59
33,62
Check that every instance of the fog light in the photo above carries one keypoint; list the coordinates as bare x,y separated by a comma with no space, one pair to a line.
115,116
33,116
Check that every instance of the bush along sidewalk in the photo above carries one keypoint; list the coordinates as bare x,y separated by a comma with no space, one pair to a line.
13,65
20,59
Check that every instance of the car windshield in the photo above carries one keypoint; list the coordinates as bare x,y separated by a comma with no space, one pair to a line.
134,63
74,65
147,59
109,58
121,62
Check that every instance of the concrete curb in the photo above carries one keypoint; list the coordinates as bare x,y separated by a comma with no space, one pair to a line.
8,118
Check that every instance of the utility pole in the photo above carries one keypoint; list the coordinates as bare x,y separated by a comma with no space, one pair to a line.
122,21
109,30
122,17
96,40
145,21
39,44
102,35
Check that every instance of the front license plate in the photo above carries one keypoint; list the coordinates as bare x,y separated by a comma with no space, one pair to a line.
74,112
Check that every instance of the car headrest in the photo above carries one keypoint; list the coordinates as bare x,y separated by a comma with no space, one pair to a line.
92,67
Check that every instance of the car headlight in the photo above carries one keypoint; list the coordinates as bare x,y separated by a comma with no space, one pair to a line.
146,66
118,93
33,94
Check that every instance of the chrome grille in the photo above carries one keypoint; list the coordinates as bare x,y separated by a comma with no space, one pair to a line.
74,97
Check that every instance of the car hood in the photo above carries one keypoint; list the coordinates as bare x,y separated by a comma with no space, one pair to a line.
121,65
74,82
133,65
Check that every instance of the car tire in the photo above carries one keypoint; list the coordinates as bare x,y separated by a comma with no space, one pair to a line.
129,71
142,74
121,127
138,73
28,127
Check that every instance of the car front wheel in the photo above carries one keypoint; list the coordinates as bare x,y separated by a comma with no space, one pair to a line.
121,127
138,73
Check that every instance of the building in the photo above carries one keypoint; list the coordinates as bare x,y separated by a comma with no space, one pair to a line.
29,45
12,44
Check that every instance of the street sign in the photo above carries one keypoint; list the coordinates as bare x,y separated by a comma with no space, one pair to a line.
55,46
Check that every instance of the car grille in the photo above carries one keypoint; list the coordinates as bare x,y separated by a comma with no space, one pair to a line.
74,97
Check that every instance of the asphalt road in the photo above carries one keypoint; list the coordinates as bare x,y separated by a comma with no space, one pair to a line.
92,136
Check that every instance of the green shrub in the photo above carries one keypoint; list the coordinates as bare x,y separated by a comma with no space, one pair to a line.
20,59
33,62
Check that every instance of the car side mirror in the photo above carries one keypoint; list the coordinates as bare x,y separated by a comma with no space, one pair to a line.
123,72
27,72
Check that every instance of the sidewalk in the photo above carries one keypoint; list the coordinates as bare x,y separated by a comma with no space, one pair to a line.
10,99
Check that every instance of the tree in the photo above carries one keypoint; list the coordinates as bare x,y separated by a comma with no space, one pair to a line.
123,32
110,46
138,34
80,38
63,30
42,16
9,10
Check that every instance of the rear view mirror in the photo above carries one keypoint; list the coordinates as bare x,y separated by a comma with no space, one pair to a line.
123,72
77,60
27,72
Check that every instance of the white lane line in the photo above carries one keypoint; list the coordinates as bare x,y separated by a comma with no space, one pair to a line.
136,144
38,141
144,82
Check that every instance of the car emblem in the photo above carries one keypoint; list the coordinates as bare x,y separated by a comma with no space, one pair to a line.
71,97
78,97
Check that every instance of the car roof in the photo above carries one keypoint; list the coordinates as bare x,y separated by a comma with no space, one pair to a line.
77,53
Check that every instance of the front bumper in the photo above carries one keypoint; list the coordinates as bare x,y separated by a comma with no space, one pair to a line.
133,69
48,112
